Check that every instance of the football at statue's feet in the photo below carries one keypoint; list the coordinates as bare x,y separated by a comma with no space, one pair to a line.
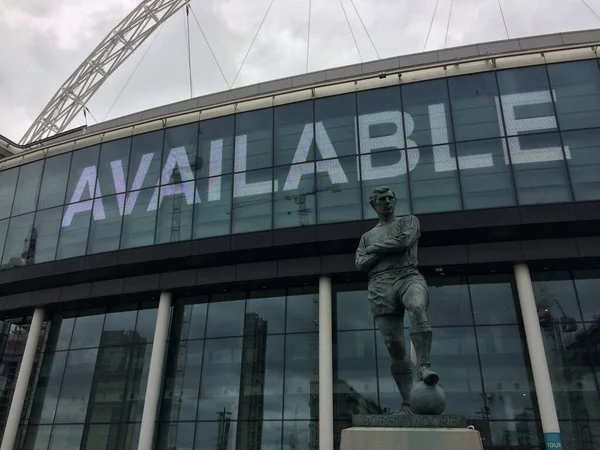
427,400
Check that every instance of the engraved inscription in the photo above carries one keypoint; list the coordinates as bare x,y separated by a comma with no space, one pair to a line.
408,421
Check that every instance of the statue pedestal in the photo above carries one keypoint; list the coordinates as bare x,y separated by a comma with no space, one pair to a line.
362,438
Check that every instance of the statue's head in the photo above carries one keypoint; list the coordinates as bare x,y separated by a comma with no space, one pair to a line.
383,201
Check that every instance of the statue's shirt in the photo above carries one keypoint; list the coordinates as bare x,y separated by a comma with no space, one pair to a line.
396,242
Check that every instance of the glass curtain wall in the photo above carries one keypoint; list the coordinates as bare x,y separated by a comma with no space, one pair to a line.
522,136
90,387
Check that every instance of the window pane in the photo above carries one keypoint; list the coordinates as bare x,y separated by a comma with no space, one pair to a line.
352,309
338,190
73,237
194,309
391,172
16,250
83,175
268,306
212,216
295,201
28,189
576,86
135,393
252,201
66,437
254,140
3,231
302,310
485,176
434,182
449,302
301,377
294,133
539,169
426,113
556,297
494,300
176,204
225,318
587,283
583,147
54,181
8,183
179,154
61,329
139,224
87,331
221,433
47,388
215,148
145,161
47,226
119,325
335,127
146,323
475,112
113,166
106,233
526,100
180,434
37,437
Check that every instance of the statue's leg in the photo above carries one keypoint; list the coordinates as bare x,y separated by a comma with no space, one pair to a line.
391,327
416,301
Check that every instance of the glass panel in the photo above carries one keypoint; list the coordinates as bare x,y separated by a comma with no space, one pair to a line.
269,307
83,175
146,323
61,329
119,326
139,224
145,161
37,438
426,113
338,190
54,181
179,154
75,230
48,387
302,310
449,303
259,435
335,127
583,147
352,309
556,298
587,283
113,166
301,388
485,177
175,211
494,300
253,140
434,182
135,393
355,388
105,234
252,201
101,437
66,437
225,318
215,148
300,434
507,377
194,310
295,202
217,435
582,434
47,226
539,169
76,386
17,248
182,381
181,435
87,331
261,382
576,87
294,133
380,123
212,216
28,189
475,111
220,385
3,231
390,170
522,434
8,183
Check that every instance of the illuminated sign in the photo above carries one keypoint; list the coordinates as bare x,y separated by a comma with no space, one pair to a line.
328,163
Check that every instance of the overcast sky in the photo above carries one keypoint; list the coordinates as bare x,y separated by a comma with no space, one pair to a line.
43,41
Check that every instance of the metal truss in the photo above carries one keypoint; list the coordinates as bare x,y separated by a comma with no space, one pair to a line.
114,49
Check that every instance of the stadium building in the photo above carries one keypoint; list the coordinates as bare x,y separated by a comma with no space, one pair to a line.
183,278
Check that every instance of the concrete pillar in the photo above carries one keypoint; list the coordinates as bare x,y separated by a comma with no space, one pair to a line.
325,365
155,373
537,356
16,405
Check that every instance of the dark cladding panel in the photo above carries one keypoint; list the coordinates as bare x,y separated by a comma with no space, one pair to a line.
8,182
550,249
54,181
256,271
494,252
28,188
299,267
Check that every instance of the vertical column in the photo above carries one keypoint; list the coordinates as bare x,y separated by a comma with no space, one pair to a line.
537,355
16,405
155,373
325,366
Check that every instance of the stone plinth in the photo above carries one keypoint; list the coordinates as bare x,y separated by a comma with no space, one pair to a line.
360,438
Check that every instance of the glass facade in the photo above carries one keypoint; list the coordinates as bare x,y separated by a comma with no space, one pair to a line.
242,367
521,136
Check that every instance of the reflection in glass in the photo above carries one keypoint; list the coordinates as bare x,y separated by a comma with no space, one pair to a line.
587,284
269,306
295,200
180,434
113,166
556,297
17,249
338,190
73,239
119,326
212,216
494,300
225,318
302,310
3,231
449,303
584,163
300,434
301,388
253,140
48,388
215,147
47,227
28,188
146,322
220,434
139,224
54,181
37,437
8,182
183,163
252,201
352,309
66,437
335,125
83,175
106,233
294,133
523,433
485,177
87,331
145,160
176,203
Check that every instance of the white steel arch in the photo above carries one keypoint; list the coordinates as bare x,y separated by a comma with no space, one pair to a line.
114,49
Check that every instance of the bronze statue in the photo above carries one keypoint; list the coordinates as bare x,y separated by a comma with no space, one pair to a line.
389,253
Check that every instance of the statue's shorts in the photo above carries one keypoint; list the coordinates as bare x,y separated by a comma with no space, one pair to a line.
387,289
